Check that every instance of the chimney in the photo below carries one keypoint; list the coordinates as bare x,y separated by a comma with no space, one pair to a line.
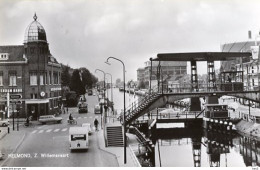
249,35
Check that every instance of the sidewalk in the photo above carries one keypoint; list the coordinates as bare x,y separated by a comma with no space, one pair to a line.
10,142
119,151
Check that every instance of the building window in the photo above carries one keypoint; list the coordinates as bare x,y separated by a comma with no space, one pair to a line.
1,78
50,77
46,82
41,79
33,78
3,56
12,78
33,95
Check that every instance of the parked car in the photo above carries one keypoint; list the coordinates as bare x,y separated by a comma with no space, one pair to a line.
97,109
50,118
90,92
88,126
4,123
83,107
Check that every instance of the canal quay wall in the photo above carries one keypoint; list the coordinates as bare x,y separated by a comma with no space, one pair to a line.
250,129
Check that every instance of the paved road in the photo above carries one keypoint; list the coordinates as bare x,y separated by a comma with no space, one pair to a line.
54,139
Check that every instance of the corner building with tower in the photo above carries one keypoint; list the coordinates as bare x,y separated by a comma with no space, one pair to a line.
29,71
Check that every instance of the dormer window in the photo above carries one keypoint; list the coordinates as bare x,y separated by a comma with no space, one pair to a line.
4,56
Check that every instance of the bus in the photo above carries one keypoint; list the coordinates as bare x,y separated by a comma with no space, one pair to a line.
78,138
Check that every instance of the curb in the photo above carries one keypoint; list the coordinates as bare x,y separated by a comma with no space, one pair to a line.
17,146
3,135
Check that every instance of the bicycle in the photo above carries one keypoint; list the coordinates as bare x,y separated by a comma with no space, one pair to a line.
30,125
72,121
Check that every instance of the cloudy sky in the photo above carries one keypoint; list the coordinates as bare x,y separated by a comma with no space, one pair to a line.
83,33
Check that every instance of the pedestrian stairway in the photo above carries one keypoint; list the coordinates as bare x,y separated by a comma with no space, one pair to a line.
114,135
40,131
140,108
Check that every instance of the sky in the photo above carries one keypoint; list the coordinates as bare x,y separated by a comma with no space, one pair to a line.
84,33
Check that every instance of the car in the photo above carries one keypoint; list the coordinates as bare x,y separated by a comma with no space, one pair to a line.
4,123
88,126
83,107
50,118
90,92
97,109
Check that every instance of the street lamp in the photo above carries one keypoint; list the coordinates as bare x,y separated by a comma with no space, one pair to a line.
104,94
111,90
124,104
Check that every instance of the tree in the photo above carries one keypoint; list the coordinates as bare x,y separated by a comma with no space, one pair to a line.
76,83
118,82
88,79
141,85
65,76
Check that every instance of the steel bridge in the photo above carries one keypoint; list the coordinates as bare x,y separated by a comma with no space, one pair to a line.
160,95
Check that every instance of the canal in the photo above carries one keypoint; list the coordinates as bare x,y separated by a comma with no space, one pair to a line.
198,148
118,98
207,149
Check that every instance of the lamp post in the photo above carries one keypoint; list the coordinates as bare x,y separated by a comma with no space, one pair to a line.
111,91
104,94
124,104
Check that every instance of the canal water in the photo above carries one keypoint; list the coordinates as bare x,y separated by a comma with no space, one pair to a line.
209,149
198,147
118,98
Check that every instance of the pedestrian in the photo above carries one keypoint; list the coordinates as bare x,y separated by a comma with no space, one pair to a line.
67,109
96,124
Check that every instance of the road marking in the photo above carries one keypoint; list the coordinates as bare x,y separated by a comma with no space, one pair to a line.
64,129
40,131
41,127
79,117
56,130
34,131
90,117
49,130
85,117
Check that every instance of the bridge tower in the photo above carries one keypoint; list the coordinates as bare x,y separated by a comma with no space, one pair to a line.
196,150
194,76
211,85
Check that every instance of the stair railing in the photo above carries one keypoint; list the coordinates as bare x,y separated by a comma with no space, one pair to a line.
138,103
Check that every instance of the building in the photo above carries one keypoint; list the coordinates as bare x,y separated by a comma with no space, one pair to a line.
250,67
172,71
30,71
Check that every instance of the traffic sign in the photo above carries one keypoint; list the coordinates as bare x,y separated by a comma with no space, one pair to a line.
15,96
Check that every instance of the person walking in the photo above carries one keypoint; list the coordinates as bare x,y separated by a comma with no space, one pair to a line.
96,124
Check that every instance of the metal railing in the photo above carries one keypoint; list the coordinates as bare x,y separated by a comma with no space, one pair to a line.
156,114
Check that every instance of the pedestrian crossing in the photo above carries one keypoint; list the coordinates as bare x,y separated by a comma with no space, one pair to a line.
55,130
90,117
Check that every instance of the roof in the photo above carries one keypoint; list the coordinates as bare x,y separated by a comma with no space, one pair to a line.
78,130
15,52
35,32
215,104
201,56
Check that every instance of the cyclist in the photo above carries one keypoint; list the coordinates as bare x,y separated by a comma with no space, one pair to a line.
96,124
27,122
70,119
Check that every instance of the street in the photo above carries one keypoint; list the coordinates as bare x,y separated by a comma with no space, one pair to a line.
53,139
